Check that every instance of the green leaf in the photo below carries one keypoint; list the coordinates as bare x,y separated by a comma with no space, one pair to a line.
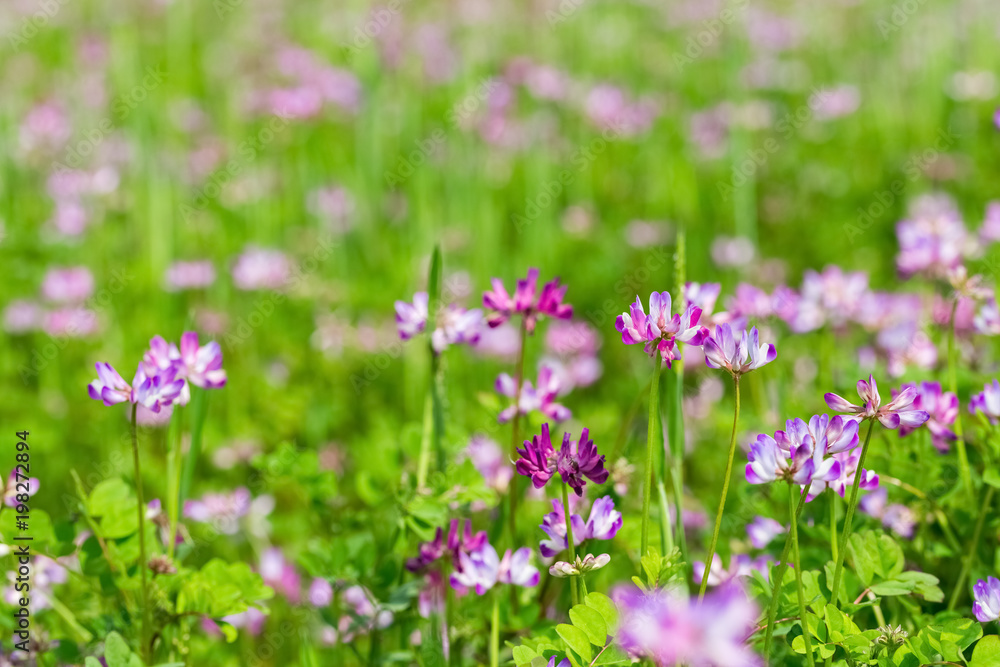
891,588
839,625
116,651
952,637
992,477
121,520
576,639
591,622
92,662
875,554
606,608
986,653
107,495
523,655
612,655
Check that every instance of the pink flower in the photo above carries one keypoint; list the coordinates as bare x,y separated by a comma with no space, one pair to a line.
896,413
261,268
722,351
68,285
942,408
532,399
549,302
660,330
189,275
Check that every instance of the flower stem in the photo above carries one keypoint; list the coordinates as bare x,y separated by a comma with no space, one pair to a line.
144,631
652,436
797,566
838,568
173,499
779,575
725,492
676,426
515,424
431,436
970,557
833,524
963,459
495,633
569,541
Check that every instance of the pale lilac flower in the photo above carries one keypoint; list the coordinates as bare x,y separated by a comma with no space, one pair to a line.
848,469
320,593
516,568
261,269
896,413
730,251
932,241
762,530
942,406
189,275
109,386
481,569
489,460
986,320
673,631
898,518
740,566
146,417
68,285
722,351
22,316
607,107
906,345
11,491
835,293
222,510
990,230
603,523
156,391
333,204
803,463
532,399
411,318
456,325
562,569
987,402
703,296
201,365
524,301
71,321
46,573
280,575
660,330
987,600
831,103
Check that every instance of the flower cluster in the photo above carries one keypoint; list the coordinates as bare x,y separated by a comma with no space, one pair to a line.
533,398
525,302
660,330
673,631
803,453
475,563
164,374
900,411
987,402
722,351
575,461
603,523
454,325
941,408
987,600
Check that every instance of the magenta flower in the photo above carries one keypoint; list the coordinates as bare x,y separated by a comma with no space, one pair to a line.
603,523
941,406
320,593
579,459
201,365
280,574
801,464
411,318
762,530
848,469
109,386
549,302
987,600
896,413
722,351
532,399
987,402
537,458
481,569
11,492
660,330
68,285
672,631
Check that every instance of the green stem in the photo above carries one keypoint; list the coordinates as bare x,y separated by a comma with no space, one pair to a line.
144,632
199,408
797,566
652,437
676,411
963,459
779,575
666,526
173,498
970,557
512,489
725,492
833,524
569,540
495,633
838,568
430,437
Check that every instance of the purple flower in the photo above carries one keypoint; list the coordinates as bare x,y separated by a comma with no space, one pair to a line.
800,464
260,269
932,241
577,460
189,275
456,325
109,386
428,552
762,530
987,596
537,458
481,569
562,663
603,523
848,469
156,391
740,565
660,330
900,519
516,568
722,351
549,302
201,365
987,402
280,575
411,318
896,413
673,631
320,592
540,398
11,492
68,285
222,510
489,460
942,408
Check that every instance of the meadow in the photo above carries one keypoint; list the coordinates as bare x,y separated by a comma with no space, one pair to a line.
318,316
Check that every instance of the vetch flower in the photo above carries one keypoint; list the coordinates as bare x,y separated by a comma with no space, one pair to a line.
898,412
588,563
578,459
481,569
411,318
524,303
740,565
987,600
516,568
490,462
201,365
660,330
603,523
156,391
942,408
722,351
532,399
456,325
537,458
848,469
987,402
762,530
792,455
109,386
